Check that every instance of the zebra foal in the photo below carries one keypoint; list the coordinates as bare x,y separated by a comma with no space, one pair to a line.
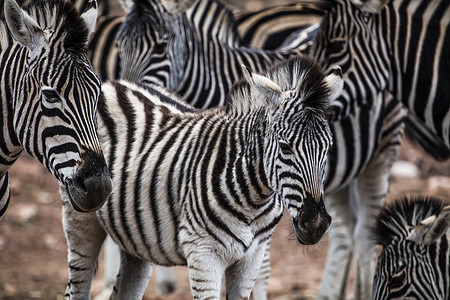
414,262
48,97
206,189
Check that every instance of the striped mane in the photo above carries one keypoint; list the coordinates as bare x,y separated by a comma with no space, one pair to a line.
63,19
396,219
300,76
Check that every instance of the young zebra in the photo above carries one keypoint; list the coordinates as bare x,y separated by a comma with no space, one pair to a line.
206,189
414,262
48,96
200,50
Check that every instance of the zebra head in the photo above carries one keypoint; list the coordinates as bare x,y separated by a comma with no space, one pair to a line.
54,93
143,40
348,37
298,140
414,262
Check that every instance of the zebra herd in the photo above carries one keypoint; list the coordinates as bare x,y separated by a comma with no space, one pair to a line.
204,186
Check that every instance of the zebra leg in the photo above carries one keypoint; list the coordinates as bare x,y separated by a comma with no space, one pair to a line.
241,276
260,289
165,280
340,249
133,277
84,237
5,194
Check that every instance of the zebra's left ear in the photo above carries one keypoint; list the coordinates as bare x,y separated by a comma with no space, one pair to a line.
335,83
90,16
432,228
177,6
271,91
24,29
370,6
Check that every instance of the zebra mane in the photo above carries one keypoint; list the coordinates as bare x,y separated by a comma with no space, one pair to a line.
300,76
397,219
63,19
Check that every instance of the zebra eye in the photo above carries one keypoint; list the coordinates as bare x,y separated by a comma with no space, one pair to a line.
336,45
51,95
285,148
397,280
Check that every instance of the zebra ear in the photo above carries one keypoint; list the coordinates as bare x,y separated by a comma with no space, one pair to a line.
370,6
177,6
271,91
335,83
90,16
23,28
432,228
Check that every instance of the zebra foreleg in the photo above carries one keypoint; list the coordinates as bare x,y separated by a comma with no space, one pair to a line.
241,276
133,278
340,250
260,290
83,233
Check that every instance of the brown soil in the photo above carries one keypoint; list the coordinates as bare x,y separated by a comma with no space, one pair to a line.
33,250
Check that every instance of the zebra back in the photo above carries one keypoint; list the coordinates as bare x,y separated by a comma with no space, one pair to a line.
49,96
414,262
196,54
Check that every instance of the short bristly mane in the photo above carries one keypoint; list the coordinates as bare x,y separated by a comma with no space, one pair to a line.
396,219
296,75
63,19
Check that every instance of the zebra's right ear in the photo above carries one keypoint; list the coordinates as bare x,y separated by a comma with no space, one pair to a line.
432,228
269,89
24,28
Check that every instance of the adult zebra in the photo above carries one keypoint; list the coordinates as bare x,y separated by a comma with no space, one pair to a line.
414,262
398,46
49,96
257,29
207,188
155,44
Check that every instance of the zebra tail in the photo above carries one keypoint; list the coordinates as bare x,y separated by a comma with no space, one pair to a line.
417,132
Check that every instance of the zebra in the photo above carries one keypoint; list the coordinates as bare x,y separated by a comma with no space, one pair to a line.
366,141
414,262
49,95
398,46
207,188
300,20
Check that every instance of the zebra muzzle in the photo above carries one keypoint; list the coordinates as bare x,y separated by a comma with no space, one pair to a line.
313,222
91,185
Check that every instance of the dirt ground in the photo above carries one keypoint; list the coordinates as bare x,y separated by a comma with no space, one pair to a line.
33,250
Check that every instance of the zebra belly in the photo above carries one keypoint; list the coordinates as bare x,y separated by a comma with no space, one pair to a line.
145,232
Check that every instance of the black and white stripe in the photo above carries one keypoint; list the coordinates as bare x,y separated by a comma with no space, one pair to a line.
48,94
206,189
414,262
367,139
398,47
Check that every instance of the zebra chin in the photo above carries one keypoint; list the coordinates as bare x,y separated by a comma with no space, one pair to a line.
313,222
91,185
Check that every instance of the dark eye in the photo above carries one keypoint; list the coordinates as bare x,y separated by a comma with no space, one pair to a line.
336,45
51,95
397,280
285,148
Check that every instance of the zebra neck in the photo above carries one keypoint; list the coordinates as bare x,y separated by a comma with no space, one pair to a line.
249,169
14,105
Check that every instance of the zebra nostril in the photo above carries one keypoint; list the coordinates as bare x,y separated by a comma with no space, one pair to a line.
80,185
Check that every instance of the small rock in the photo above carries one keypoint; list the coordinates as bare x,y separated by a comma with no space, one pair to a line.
405,169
